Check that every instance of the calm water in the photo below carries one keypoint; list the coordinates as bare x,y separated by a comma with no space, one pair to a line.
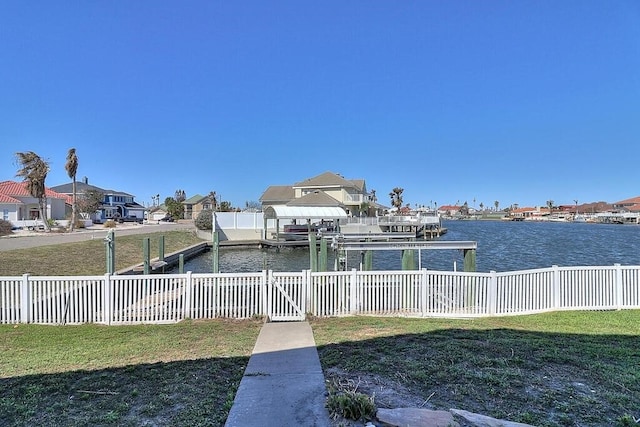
502,246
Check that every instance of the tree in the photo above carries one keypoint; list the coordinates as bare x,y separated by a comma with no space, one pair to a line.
180,196
204,220
225,207
464,210
252,206
34,171
396,198
496,204
174,208
90,201
550,206
72,167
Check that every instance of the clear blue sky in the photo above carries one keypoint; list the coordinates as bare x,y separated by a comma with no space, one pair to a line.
515,101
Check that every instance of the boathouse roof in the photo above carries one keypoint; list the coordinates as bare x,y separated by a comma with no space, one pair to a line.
304,212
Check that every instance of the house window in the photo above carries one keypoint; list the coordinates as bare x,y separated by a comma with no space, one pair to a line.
5,214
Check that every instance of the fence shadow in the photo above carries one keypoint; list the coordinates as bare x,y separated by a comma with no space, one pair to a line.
181,393
530,377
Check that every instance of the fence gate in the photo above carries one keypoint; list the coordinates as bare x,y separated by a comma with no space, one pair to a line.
287,297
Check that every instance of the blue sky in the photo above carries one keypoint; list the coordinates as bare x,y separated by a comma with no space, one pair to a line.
515,101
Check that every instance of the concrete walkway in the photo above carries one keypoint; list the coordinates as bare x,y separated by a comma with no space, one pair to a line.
283,384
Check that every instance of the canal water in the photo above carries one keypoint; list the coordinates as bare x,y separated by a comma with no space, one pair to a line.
502,246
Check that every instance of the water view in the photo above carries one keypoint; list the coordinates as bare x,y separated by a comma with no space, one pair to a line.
502,246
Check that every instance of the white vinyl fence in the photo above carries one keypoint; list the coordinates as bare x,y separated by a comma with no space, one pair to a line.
166,298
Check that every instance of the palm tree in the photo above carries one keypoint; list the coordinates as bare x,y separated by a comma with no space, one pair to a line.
180,196
550,206
214,200
34,171
496,204
396,198
72,167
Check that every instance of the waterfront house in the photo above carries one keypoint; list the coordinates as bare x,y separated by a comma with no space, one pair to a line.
21,209
114,203
352,195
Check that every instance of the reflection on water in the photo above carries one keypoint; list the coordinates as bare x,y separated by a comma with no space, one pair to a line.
502,246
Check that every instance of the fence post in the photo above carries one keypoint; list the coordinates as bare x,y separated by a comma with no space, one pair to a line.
423,293
619,285
353,291
556,286
107,308
266,299
308,288
188,292
25,299
493,293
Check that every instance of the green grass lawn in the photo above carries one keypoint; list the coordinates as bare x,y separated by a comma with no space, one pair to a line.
89,257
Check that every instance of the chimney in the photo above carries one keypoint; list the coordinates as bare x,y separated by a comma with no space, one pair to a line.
85,180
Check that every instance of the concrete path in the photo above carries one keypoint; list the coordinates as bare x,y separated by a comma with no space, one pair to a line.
283,384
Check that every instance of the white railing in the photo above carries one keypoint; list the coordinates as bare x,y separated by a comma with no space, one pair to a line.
156,298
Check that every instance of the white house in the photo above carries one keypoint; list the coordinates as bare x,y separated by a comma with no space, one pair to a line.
21,209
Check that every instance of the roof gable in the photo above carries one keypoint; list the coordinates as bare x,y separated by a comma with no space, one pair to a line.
193,199
278,193
81,187
327,179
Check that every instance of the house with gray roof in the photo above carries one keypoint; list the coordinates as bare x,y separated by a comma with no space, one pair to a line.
114,203
327,189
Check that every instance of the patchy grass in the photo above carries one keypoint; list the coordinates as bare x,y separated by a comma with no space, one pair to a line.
184,374
89,257
557,369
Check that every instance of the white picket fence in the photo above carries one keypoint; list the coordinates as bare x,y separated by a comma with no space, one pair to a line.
167,298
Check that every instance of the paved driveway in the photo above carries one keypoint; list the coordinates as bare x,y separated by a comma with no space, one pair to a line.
27,239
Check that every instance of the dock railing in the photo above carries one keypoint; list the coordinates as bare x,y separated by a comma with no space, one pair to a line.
168,298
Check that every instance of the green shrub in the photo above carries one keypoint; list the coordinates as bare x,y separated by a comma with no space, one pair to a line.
203,220
5,227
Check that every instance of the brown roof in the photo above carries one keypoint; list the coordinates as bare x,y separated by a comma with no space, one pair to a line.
315,198
327,179
278,193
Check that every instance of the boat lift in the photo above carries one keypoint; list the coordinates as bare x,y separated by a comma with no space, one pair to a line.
367,243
